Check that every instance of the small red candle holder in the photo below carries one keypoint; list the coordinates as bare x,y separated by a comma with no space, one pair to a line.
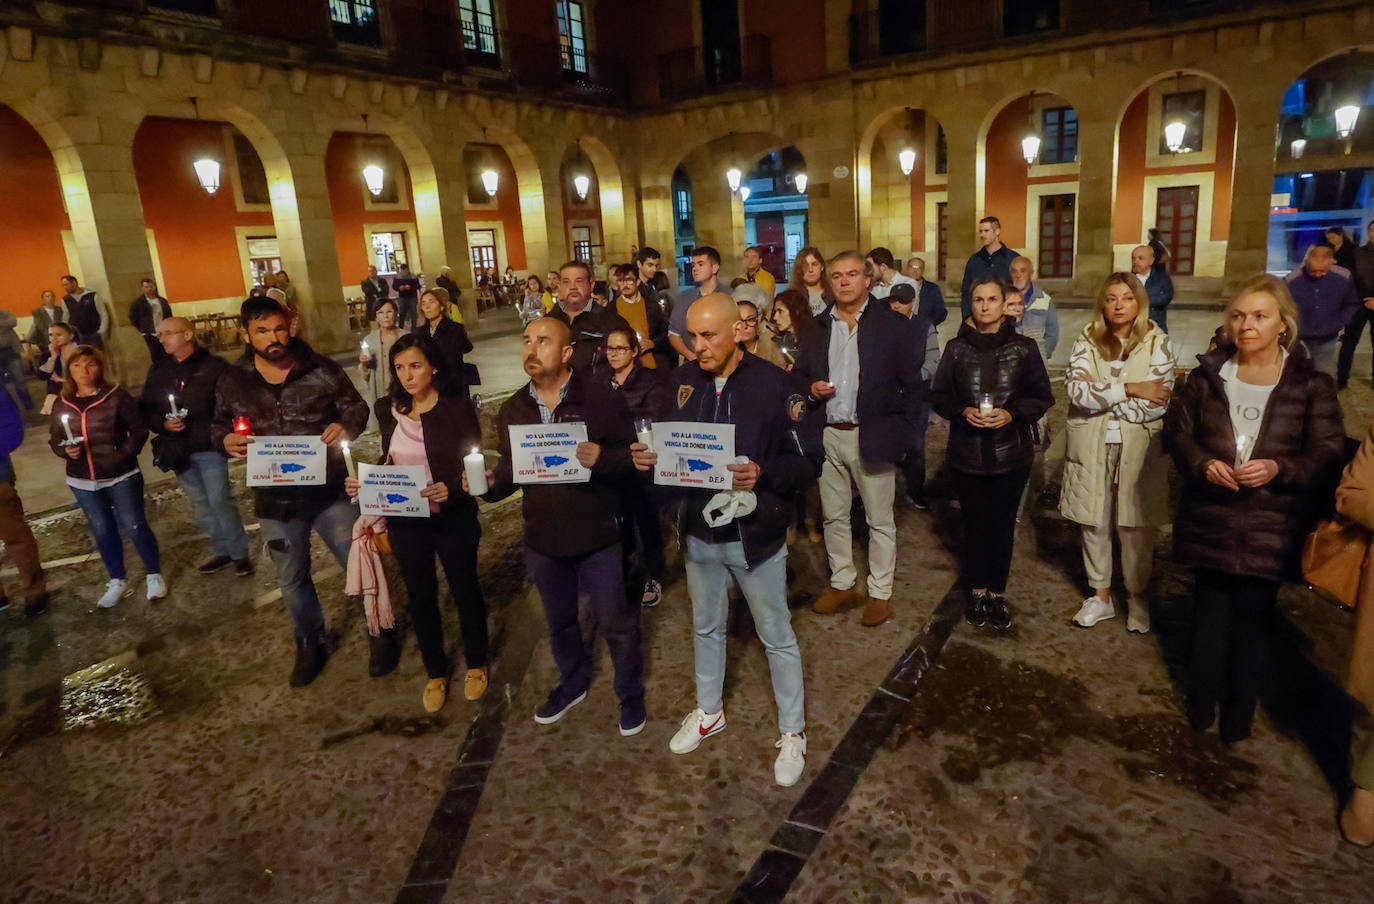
241,426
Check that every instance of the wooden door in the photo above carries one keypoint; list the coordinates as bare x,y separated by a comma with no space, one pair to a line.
1176,220
1056,237
773,244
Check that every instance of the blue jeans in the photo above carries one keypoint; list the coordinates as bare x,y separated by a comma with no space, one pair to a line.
709,569
112,510
288,543
206,484
1325,354
598,580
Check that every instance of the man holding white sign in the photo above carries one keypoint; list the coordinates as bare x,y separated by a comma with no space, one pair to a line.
741,532
572,533
285,389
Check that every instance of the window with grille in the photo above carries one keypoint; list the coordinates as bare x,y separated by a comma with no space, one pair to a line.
684,205
478,18
482,244
1190,108
252,176
355,21
572,36
1059,135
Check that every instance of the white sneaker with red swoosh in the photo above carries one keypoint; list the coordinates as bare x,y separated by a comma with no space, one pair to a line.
697,727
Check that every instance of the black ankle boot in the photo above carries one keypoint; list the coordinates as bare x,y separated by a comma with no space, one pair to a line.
975,613
384,652
311,655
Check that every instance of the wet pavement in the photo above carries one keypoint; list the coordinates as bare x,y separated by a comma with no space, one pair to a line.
155,753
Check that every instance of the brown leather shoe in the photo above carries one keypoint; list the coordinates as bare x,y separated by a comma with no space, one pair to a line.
876,611
828,603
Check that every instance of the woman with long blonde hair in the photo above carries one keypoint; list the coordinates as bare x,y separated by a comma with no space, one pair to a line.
809,277
1116,477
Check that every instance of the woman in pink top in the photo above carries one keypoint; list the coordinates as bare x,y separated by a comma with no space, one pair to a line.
421,427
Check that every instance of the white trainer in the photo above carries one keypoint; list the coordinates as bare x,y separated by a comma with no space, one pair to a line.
697,727
115,589
1094,610
787,768
1138,615
157,587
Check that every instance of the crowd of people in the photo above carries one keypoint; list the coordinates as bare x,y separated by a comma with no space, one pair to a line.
828,383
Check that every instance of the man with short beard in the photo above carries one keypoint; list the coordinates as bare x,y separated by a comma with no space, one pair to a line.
572,530
284,388
588,324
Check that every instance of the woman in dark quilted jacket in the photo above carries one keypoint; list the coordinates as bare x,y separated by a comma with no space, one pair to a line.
1257,437
992,387
96,427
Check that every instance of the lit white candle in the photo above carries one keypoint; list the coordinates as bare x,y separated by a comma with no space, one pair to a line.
985,405
364,346
172,401
475,467
66,425
348,459
1242,449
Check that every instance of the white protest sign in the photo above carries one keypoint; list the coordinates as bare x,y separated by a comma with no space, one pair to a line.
392,490
547,453
286,461
694,455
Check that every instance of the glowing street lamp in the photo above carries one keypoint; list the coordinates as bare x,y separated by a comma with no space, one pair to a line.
1173,135
1297,147
800,181
1030,149
906,159
373,176
207,171
744,193
1345,119
732,178
581,183
490,180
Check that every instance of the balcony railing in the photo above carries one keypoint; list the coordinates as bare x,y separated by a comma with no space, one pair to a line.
869,42
693,72
539,66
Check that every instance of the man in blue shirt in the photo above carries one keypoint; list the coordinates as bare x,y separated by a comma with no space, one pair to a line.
993,257
1326,301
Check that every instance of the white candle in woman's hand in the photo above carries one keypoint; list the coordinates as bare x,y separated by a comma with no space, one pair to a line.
348,459
172,401
1242,445
66,425
985,405
475,467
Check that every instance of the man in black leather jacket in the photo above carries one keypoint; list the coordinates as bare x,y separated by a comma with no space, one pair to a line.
284,388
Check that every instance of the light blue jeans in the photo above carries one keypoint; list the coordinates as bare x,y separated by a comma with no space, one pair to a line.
206,484
1325,355
288,543
709,569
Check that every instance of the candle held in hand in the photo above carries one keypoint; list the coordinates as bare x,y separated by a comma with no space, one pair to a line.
348,459
644,431
985,405
172,401
241,426
1242,449
66,425
475,467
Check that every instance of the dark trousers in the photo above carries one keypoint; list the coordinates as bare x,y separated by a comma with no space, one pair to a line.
1232,628
597,580
416,543
20,544
988,506
914,465
407,311
1351,340
155,350
641,534
1159,314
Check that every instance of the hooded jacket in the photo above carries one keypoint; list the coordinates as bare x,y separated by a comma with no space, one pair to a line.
316,393
1258,531
1006,366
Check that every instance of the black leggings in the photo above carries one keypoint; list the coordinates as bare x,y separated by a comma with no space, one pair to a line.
416,542
641,532
1232,628
988,505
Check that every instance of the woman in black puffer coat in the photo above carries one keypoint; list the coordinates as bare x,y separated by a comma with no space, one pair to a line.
1258,439
992,387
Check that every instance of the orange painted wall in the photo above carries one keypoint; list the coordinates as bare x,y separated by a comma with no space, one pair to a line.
1130,179
31,229
506,210
343,171
797,32
194,231
1005,181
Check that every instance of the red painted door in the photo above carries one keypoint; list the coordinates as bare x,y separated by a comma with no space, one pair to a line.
1176,220
771,242
1056,237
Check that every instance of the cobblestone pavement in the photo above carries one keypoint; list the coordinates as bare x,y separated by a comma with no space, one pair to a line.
1044,764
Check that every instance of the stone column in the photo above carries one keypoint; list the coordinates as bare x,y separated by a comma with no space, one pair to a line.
553,248
961,210
111,239
440,204
1096,178
1252,182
